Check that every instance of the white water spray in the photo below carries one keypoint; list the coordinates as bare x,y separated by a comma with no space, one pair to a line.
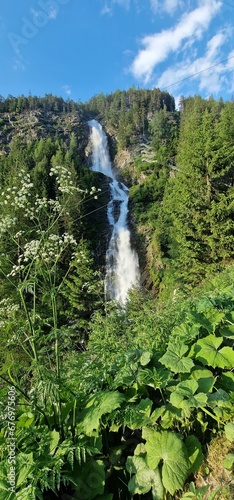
122,266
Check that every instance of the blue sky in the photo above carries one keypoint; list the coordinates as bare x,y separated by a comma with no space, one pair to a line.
78,48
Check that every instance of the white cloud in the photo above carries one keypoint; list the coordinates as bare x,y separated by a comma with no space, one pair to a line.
206,70
122,3
158,46
67,90
108,6
106,10
168,6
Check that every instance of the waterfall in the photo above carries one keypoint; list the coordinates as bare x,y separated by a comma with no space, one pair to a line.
122,266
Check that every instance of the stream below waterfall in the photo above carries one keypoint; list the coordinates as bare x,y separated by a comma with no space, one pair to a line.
122,265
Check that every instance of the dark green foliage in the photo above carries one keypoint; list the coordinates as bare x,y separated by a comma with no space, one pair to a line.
127,113
83,288
49,102
190,213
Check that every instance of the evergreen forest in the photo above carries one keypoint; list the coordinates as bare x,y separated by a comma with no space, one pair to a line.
100,401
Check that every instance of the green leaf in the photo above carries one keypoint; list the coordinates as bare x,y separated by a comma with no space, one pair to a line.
226,381
225,358
31,492
186,332
156,378
201,320
204,378
184,396
195,493
175,360
227,331
168,447
90,479
25,464
143,478
98,404
229,461
229,431
140,414
218,398
170,415
195,455
145,358
25,420
206,351
54,439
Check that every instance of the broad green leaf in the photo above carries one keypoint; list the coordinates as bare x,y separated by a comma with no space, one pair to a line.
140,414
201,320
5,494
184,396
143,478
187,387
229,431
54,439
90,479
140,449
226,381
207,352
226,358
156,378
145,358
98,405
168,447
229,461
170,415
66,408
227,331
157,413
218,398
230,316
204,378
186,332
175,360
25,420
25,464
194,450
215,317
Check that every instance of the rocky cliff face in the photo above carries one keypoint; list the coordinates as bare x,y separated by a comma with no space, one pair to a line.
39,124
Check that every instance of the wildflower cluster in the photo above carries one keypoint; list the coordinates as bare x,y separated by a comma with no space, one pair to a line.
80,256
64,180
94,191
7,310
45,250
7,223
16,198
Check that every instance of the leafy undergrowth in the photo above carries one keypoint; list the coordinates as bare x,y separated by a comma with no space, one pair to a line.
137,425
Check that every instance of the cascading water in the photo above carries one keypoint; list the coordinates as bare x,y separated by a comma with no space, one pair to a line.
122,266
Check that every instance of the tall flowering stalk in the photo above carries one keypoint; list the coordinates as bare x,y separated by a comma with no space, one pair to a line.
33,226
